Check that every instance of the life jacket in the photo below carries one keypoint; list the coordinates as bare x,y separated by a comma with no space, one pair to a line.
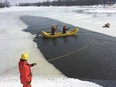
53,28
25,71
64,29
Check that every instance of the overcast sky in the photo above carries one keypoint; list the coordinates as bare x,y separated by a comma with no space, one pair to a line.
18,1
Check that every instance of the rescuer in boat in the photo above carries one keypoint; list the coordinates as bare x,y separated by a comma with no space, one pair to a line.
65,28
25,71
53,29
107,25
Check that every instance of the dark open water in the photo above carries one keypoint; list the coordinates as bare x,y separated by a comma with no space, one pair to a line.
93,55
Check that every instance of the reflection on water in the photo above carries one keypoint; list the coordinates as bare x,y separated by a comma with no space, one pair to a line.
42,41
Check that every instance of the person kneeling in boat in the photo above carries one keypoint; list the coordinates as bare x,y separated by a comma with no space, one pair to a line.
53,29
65,28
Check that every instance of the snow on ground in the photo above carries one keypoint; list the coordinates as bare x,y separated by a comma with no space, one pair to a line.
14,42
13,81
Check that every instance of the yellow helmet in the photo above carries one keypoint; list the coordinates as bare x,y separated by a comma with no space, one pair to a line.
24,56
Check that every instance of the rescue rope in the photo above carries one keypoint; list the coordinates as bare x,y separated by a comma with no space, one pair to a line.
71,52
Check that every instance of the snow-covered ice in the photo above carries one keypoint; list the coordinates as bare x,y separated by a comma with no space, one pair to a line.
14,42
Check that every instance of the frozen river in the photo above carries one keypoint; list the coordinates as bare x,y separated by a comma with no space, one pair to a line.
92,54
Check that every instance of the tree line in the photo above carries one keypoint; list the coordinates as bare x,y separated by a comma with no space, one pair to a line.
70,3
4,4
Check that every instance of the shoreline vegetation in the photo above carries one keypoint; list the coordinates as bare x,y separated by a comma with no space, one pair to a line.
104,3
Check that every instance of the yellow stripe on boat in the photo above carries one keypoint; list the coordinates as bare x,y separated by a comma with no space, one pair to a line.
60,34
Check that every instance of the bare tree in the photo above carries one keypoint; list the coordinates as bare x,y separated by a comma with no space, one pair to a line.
70,3
6,3
109,2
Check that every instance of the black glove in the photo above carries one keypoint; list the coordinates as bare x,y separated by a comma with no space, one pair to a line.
29,82
33,64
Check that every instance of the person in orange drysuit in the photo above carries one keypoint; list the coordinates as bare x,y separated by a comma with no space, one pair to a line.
25,71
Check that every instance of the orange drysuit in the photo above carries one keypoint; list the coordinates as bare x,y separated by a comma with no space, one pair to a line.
25,73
